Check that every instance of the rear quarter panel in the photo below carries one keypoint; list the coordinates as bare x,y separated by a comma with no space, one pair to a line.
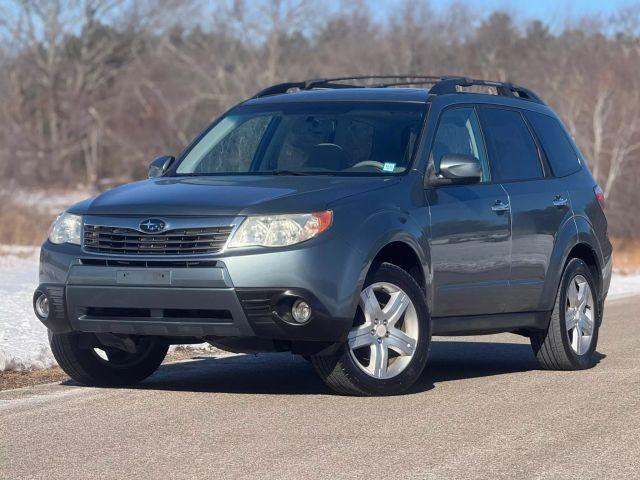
588,226
591,222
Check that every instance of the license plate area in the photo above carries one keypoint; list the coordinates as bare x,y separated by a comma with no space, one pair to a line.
143,277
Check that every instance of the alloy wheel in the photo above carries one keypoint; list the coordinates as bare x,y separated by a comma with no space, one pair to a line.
579,314
384,339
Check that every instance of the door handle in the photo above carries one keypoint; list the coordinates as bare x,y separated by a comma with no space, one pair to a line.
500,206
560,201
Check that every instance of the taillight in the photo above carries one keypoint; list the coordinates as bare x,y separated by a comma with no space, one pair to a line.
599,195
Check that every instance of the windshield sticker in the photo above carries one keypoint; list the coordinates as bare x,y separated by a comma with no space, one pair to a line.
388,167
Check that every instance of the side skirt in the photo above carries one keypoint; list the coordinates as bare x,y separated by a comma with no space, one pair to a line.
486,324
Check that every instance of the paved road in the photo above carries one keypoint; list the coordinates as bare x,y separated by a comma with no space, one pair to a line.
481,410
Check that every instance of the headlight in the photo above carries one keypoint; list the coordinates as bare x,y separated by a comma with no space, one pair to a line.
66,229
280,230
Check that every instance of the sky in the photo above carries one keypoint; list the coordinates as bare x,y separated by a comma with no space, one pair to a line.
545,8
550,11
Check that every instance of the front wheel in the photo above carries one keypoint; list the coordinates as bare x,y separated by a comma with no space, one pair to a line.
106,366
388,345
570,341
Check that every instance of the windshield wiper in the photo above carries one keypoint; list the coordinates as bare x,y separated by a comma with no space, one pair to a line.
289,172
265,172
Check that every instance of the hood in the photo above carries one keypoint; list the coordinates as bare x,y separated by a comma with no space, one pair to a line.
232,195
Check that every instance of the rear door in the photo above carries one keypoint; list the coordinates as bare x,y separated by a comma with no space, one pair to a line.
470,226
539,202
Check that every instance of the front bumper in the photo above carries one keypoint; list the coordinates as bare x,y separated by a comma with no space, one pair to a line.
96,294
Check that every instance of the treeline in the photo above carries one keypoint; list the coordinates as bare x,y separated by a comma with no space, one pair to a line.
91,90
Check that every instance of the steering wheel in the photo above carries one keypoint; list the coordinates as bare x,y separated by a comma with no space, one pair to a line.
369,163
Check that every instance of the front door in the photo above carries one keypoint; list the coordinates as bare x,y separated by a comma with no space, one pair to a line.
470,227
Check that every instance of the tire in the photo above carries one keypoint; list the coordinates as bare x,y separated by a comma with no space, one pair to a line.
555,349
346,373
85,365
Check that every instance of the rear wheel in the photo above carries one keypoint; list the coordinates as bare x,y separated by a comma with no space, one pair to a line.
388,345
106,366
572,336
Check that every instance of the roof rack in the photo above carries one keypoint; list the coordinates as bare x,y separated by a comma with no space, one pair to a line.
504,89
441,85
329,83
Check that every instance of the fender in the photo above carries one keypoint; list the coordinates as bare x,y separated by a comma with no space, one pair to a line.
576,230
389,226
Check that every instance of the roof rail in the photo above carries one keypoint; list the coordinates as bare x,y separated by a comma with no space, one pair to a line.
329,83
441,85
504,89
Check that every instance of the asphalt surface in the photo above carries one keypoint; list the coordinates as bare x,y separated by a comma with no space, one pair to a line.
481,410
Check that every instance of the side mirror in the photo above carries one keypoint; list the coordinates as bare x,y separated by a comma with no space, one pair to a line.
460,168
160,165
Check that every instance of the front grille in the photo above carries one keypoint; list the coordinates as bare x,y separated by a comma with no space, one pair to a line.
127,241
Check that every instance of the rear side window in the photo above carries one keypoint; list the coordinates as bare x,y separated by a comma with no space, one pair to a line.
557,146
513,154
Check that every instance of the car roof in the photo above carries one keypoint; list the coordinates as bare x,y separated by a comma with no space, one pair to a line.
334,89
416,95
396,94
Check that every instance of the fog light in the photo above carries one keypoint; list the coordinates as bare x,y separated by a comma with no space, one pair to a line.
41,306
301,311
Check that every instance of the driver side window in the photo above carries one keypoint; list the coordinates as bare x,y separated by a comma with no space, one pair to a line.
459,132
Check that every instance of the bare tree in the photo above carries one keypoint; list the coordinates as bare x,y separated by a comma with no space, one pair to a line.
90,90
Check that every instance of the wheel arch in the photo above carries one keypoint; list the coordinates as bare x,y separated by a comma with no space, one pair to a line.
575,239
587,254
403,250
401,254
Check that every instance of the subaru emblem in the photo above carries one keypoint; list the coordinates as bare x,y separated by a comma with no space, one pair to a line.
153,225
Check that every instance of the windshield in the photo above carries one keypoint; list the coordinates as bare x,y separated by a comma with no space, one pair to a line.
320,138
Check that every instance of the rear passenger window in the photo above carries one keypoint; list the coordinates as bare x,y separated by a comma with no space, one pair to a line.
556,144
513,154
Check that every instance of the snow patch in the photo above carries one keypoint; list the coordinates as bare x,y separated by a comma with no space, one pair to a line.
23,339
624,285
52,202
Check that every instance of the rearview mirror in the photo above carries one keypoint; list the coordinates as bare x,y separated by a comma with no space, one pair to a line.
460,168
160,165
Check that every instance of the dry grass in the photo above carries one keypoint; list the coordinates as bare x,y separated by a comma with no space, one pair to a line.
14,379
626,255
22,225
29,378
